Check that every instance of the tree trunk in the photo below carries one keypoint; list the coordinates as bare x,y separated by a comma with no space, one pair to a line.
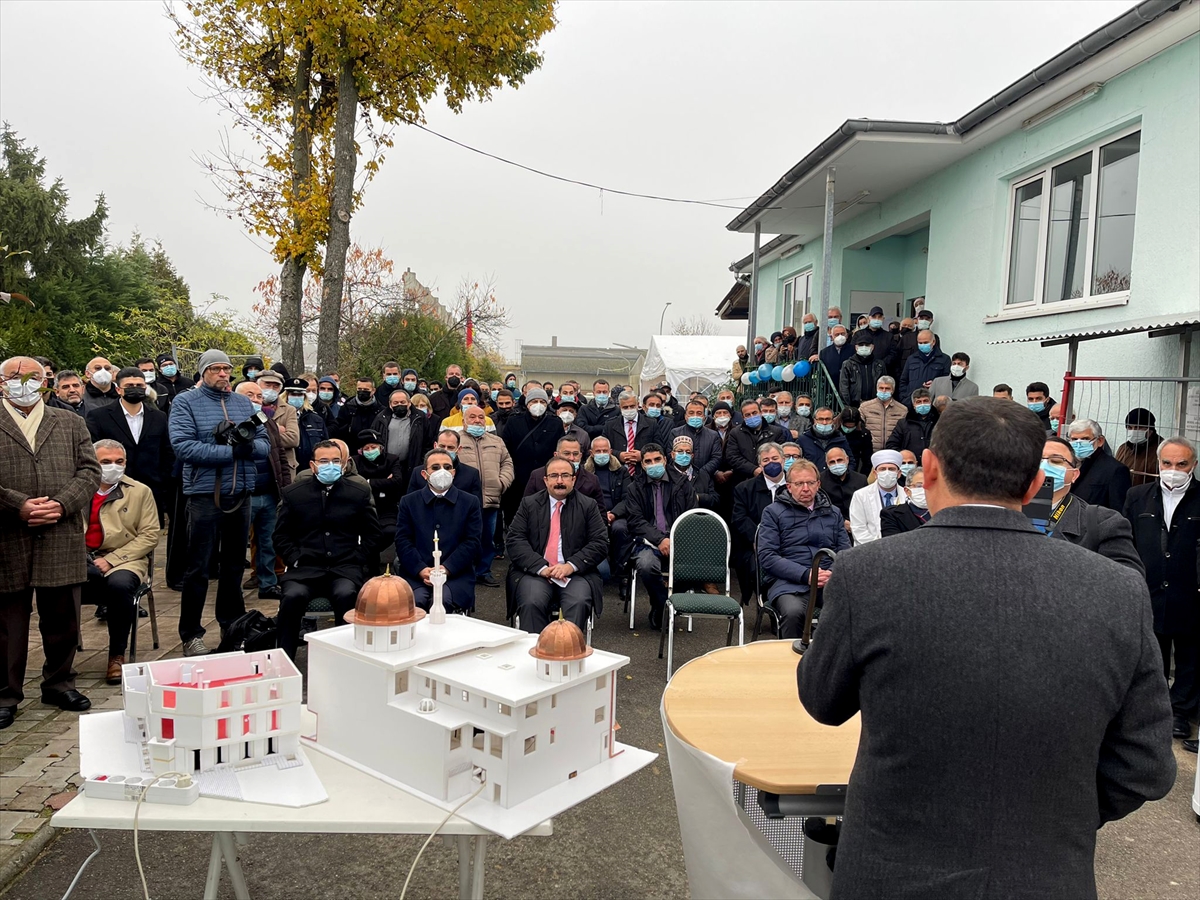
291,279
337,244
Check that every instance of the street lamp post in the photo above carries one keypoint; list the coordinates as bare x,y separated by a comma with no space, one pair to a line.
663,317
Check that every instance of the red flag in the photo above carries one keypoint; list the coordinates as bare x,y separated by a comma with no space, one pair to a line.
470,328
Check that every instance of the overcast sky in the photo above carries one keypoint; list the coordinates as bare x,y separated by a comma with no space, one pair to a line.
699,100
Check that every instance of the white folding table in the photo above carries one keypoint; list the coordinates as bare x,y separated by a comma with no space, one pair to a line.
357,804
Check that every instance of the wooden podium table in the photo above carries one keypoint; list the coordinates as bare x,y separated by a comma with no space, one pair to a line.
740,704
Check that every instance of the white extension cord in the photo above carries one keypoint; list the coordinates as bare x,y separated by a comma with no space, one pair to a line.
449,815
185,779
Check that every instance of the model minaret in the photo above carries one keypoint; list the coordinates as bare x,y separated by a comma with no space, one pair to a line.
437,577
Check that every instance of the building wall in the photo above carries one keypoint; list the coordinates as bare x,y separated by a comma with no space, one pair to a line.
968,207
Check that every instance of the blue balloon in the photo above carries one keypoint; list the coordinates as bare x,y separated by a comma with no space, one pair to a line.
777,373
754,379
764,372
802,368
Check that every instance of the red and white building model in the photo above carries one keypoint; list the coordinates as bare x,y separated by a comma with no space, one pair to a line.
189,715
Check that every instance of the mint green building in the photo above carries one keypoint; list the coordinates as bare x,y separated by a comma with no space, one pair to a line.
1066,205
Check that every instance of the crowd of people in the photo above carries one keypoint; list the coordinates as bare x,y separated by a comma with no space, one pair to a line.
575,484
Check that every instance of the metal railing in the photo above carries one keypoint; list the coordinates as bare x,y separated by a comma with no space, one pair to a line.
817,384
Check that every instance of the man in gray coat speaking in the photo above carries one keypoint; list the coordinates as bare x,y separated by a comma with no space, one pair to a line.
1012,696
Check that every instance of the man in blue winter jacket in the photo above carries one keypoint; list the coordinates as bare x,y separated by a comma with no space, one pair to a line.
217,438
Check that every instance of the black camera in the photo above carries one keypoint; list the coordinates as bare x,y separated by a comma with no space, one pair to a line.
241,433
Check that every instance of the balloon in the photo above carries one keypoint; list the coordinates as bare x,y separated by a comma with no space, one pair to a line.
777,373
745,379
754,379
764,372
802,368
789,372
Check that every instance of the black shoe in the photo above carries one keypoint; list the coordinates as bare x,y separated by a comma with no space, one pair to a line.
101,613
72,701
656,619
1191,746
274,592
142,614
1181,727
500,555
487,580
7,715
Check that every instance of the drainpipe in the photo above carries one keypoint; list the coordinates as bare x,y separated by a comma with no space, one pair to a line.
827,248
753,311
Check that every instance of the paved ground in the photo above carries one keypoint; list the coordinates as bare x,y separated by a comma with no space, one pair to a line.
622,843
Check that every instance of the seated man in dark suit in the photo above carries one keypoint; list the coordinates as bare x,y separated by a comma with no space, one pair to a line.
555,543
328,535
839,481
457,517
586,482
750,498
466,478
614,479
141,428
904,517
1064,729
656,497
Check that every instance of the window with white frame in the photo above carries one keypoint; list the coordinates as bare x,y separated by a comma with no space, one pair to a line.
1071,226
797,298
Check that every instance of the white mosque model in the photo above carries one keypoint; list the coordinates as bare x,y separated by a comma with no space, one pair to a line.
439,704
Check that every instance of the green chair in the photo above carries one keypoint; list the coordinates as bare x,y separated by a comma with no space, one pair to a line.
699,557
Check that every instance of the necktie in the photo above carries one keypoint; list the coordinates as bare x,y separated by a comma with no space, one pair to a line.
887,500
660,518
551,553
629,445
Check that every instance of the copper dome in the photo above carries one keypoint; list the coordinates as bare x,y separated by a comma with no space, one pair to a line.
385,600
561,640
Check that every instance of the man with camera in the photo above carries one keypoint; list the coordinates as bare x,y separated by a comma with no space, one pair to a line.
219,437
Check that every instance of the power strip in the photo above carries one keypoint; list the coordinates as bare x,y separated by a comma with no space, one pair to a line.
179,791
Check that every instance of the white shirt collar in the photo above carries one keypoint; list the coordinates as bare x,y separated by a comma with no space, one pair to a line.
141,410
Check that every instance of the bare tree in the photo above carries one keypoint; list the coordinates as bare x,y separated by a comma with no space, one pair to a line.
695,325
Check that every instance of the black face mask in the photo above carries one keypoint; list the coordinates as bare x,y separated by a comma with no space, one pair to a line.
400,411
453,381
134,395
366,396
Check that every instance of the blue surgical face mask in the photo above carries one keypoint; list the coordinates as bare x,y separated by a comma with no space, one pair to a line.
757,347
329,472
923,408
297,402
810,327
410,386
885,396
683,460
601,399
601,459
907,469
925,348
653,412
476,431
1083,449
453,454
839,469
392,379
270,396
773,469
325,395
372,455
495,394
768,417
170,371
823,429
257,406
829,323
1037,407
511,385
753,421
656,471
788,462
251,374
849,429
1056,474
875,324
695,421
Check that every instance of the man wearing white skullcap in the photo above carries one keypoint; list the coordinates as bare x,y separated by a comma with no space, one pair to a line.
868,502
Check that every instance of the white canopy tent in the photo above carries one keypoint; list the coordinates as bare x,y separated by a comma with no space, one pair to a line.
688,362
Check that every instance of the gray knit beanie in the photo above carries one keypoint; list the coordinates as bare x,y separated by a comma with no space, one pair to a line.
536,394
213,358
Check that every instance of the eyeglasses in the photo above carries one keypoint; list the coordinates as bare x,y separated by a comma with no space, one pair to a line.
1058,461
560,476
220,370
808,484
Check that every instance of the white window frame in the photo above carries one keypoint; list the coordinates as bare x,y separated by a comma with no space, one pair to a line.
789,304
1039,305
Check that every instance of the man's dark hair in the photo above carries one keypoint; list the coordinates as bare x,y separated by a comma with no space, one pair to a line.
128,372
960,355
438,451
764,402
749,401
504,392
454,434
367,378
646,399
66,375
143,361
695,401
1003,387
653,448
567,439
327,445
390,364
988,448
922,393
1038,387
598,382
1068,450
45,361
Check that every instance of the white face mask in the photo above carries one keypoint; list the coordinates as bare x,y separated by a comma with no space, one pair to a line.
311,395
839,341
102,378
1174,480
721,421
887,480
629,414
784,411
567,417
537,409
441,479
23,393
958,371
1137,436
916,496
148,376
110,473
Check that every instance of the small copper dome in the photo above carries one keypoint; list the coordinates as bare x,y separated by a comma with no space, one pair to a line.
385,600
561,640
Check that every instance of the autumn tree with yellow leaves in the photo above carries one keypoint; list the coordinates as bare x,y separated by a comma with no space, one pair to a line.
317,81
